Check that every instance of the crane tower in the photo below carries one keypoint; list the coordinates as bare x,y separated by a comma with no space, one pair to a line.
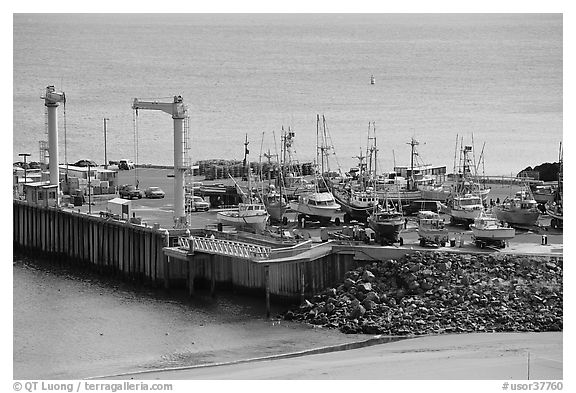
179,113
52,99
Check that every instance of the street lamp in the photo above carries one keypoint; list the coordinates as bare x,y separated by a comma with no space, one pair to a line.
25,165
105,156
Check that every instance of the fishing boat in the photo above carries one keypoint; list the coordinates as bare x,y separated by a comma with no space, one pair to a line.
318,205
386,220
555,209
431,229
544,194
465,180
247,216
276,205
465,208
465,204
251,214
521,209
356,194
487,230
387,223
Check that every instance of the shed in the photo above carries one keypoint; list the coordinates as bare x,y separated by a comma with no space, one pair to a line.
119,208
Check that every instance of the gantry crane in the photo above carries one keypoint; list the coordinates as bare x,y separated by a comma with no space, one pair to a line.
179,113
52,99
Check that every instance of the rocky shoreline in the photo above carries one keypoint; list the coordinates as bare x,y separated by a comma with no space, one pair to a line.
434,293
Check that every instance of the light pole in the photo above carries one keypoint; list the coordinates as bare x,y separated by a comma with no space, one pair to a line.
89,191
25,165
105,156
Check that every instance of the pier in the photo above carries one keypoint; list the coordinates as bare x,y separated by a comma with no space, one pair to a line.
286,271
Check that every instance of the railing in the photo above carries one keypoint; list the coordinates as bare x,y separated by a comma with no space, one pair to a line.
224,247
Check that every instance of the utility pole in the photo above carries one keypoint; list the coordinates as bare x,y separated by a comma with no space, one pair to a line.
105,155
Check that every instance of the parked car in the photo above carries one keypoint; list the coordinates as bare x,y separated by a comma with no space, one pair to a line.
129,191
85,163
198,204
154,192
420,205
126,164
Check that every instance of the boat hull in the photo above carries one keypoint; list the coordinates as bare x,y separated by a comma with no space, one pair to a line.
276,211
516,217
465,215
233,218
387,230
493,233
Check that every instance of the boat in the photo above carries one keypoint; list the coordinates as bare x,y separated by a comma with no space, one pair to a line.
521,209
431,229
465,208
251,214
387,223
247,216
276,205
356,205
356,193
555,209
318,205
487,230
465,204
386,220
544,193
430,180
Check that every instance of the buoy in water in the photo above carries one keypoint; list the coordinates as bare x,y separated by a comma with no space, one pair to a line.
372,80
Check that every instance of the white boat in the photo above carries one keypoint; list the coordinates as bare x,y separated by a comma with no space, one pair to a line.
248,215
431,229
319,206
486,229
251,213
521,209
465,208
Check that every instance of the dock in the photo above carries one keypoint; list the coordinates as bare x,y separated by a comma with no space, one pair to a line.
280,271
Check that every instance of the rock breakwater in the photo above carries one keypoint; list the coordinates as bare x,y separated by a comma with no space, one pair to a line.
433,293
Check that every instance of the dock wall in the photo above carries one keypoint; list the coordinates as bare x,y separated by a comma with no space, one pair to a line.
104,245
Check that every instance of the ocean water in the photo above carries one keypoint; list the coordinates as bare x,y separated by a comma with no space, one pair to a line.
70,325
493,79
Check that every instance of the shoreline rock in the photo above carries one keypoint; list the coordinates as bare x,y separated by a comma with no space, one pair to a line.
433,292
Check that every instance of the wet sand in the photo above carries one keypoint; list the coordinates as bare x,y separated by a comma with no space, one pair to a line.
475,356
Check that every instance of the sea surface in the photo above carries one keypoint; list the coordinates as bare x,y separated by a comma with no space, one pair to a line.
71,324
494,80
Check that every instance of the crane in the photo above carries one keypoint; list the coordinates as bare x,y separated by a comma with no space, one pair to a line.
52,99
179,113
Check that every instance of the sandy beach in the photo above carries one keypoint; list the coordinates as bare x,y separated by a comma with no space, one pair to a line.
476,356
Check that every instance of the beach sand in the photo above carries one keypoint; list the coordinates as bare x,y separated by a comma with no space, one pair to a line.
475,356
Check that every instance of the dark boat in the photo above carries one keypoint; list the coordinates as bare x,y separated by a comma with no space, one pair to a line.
387,223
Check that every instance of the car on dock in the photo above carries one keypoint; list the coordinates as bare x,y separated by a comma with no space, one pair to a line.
196,203
129,191
154,192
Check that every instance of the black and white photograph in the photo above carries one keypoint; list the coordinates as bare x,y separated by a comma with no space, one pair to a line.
287,196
